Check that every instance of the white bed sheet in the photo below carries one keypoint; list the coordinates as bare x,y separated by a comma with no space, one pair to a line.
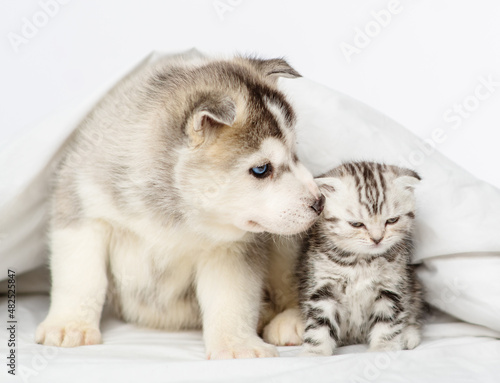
451,351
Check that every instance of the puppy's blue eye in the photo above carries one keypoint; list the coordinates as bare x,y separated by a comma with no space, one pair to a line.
261,171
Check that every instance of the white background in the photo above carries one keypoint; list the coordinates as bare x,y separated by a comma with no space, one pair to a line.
429,57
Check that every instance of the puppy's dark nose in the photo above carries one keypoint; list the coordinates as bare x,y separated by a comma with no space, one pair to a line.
319,204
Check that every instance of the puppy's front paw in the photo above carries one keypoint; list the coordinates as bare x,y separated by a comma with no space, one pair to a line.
253,349
72,334
286,329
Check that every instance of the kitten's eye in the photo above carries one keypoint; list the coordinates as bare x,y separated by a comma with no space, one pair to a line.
356,224
392,221
261,171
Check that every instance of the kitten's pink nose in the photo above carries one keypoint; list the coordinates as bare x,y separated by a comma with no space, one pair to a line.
376,241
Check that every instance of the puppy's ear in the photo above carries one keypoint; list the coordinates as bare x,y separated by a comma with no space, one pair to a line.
211,113
214,111
274,67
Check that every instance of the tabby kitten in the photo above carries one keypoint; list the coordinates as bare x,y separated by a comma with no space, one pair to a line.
355,281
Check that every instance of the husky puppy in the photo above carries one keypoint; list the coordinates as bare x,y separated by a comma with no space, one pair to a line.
162,198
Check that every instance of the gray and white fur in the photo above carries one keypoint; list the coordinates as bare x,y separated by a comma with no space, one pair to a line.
157,203
356,284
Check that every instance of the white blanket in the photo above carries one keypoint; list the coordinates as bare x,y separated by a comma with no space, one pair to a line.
450,352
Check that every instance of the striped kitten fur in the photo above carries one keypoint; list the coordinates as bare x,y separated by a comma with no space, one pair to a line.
355,281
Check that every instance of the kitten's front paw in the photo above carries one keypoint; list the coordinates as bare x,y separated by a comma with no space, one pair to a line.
407,340
72,334
254,349
286,329
411,337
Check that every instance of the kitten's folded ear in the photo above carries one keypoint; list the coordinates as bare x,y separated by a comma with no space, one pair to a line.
407,178
407,182
329,184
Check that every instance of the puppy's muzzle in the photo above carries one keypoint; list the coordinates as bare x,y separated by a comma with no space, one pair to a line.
319,204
